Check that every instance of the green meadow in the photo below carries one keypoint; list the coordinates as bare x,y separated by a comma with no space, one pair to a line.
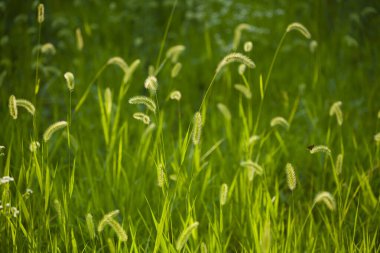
189,126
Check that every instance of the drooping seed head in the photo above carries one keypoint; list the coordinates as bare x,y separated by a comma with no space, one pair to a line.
336,109
26,105
12,107
197,128
300,28
174,52
244,90
254,166
291,176
279,121
320,148
52,129
327,198
142,117
69,81
175,95
237,34
151,83
235,57
148,102
118,61
48,48
182,239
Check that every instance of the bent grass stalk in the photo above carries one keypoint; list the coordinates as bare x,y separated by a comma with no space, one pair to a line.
182,239
52,129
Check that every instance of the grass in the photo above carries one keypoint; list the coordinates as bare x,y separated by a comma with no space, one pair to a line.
277,156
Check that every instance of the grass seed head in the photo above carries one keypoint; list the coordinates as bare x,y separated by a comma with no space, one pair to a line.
244,90
174,52
279,121
176,69
48,48
248,46
142,117
241,69
108,101
223,194
175,95
69,80
90,226
118,61
79,39
235,57
252,166
151,83
52,129
197,128
182,239
33,146
327,198
336,110
320,148
41,13
339,164
12,106
225,111
26,105
291,176
148,102
377,138
237,34
300,28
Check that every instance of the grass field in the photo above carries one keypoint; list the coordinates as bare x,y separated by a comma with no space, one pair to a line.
190,126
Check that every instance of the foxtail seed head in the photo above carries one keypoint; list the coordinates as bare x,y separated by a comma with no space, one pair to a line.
176,69
320,148
197,128
225,111
108,101
53,128
339,164
174,52
90,226
223,195
33,146
149,103
69,81
235,57
41,13
244,90
279,121
248,46
175,95
182,239
252,166
142,117
335,109
26,105
377,138
291,176
327,199
237,34
118,61
48,48
12,106
300,28
151,83
79,39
